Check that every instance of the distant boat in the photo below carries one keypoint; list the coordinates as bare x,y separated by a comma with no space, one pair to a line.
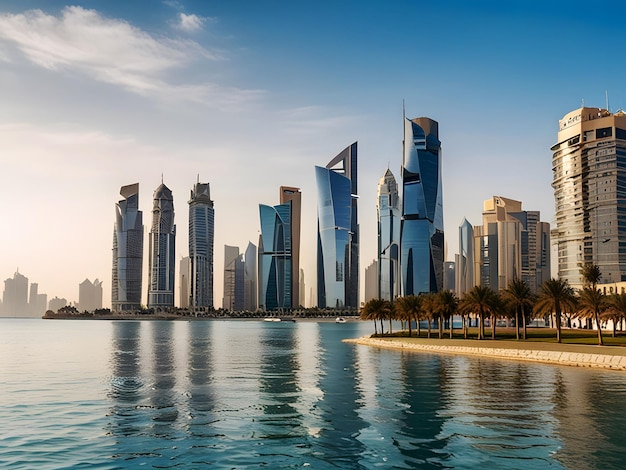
271,319
340,320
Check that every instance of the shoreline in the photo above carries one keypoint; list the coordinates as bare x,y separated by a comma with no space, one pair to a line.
573,355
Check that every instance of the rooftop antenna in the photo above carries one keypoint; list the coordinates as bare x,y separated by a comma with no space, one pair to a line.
161,177
583,102
606,92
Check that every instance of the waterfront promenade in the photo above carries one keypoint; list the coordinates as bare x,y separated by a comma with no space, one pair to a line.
578,355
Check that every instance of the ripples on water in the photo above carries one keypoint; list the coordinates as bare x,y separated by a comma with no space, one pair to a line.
288,395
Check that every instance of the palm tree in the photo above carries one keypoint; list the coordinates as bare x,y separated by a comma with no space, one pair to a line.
408,308
591,277
448,306
377,309
518,296
480,300
429,308
497,309
591,303
556,295
616,309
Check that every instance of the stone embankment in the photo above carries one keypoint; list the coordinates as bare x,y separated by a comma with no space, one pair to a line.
578,355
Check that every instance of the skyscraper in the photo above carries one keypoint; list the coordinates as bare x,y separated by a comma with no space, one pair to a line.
233,299
589,168
388,209
464,261
201,231
162,250
371,281
89,295
184,283
338,232
421,231
126,285
15,296
250,295
280,236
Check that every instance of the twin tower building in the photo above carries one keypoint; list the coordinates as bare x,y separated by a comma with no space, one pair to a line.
410,236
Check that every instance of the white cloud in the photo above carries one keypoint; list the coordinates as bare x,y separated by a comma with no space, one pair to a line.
111,51
189,23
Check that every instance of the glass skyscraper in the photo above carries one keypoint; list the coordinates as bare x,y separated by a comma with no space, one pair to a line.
162,250
421,232
465,259
275,282
338,232
388,209
126,285
589,170
201,231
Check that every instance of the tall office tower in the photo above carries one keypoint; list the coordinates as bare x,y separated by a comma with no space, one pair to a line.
126,285
371,281
233,279
338,232
201,230
589,168
89,295
506,245
184,283
15,296
421,230
250,294
388,210
32,300
464,261
280,228
449,275
42,304
162,250
302,300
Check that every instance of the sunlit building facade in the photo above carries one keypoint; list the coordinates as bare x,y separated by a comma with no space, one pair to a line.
162,250
421,232
201,236
250,270
234,282
89,295
464,260
338,232
388,210
126,283
589,170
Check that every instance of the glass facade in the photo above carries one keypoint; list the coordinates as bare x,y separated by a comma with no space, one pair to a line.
201,237
421,232
126,285
162,250
338,232
465,258
276,273
388,209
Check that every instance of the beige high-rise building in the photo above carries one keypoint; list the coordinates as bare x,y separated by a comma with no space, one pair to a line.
589,170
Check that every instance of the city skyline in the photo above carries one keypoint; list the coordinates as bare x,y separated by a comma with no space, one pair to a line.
111,93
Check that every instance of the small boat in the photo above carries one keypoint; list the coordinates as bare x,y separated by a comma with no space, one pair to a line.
271,319
340,320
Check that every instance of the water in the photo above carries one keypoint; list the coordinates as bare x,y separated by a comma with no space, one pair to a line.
252,394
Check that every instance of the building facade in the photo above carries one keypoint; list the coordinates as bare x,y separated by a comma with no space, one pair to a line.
201,239
184,283
233,299
464,260
371,281
388,212
250,270
293,196
126,282
338,232
15,296
89,295
162,250
589,168
421,232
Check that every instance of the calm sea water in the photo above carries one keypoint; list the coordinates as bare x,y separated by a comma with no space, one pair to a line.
252,394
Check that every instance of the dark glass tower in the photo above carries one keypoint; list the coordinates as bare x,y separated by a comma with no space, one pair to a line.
421,233
388,208
201,230
162,250
338,232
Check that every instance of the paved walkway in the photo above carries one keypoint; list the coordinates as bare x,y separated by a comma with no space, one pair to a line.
580,355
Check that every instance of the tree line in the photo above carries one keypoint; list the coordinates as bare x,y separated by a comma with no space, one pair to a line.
517,303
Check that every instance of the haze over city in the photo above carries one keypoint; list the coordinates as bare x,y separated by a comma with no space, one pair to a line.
251,96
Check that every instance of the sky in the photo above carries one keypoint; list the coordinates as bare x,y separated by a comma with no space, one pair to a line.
251,95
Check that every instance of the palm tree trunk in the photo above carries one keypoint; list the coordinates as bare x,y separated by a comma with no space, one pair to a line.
493,327
558,326
517,315
481,330
375,328
429,328
440,320
409,322
452,326
600,342
524,323
464,320
419,328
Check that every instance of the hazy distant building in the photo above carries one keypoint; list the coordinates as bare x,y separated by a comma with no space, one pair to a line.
126,282
371,281
302,300
421,232
184,283
162,250
338,231
201,236
464,260
388,211
589,170
511,244
250,271
449,273
280,236
89,295
56,304
233,299
15,296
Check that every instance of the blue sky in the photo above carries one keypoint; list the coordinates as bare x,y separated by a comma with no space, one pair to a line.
252,95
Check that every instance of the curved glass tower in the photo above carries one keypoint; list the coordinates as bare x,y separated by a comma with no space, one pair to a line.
162,250
338,232
127,251
388,208
421,232
275,281
201,230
